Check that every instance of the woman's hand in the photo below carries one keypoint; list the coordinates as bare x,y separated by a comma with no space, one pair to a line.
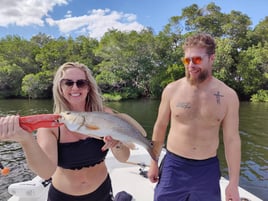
109,143
119,150
10,129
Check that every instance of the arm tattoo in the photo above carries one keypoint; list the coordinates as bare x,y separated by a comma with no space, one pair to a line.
184,105
218,97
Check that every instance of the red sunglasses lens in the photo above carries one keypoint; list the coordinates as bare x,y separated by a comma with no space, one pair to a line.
195,60
185,61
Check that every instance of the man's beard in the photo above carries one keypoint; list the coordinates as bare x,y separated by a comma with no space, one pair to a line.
203,75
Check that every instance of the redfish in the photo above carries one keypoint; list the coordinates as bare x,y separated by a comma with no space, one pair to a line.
119,126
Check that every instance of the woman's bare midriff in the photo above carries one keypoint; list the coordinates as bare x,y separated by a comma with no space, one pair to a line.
79,182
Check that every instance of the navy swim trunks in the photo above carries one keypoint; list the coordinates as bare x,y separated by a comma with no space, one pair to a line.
103,193
182,179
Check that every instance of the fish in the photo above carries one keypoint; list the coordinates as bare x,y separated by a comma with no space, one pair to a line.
119,126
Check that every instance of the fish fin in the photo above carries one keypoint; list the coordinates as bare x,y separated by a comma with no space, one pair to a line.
132,121
130,145
121,152
92,127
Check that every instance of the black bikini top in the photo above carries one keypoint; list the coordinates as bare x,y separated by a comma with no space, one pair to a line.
79,154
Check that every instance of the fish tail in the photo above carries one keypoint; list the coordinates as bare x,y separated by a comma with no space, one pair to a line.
155,150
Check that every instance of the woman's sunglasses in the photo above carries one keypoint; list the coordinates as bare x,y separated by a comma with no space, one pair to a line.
79,83
194,60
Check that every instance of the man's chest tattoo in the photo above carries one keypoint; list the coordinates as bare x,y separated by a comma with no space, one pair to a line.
184,105
218,97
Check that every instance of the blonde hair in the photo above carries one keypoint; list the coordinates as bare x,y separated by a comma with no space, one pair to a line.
93,99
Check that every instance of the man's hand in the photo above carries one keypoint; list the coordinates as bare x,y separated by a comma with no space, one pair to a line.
231,193
153,172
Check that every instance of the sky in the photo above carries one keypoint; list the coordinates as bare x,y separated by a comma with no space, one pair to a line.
27,18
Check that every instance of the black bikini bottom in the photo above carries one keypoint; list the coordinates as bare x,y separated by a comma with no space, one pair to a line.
103,193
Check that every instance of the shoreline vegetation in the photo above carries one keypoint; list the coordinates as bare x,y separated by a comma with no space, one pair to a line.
133,65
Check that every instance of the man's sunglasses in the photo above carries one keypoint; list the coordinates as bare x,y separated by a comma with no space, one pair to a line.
79,83
194,60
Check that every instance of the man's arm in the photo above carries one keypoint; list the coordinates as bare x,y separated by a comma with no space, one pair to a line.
232,146
159,130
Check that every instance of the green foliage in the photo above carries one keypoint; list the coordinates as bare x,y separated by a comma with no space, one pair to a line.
112,97
260,96
53,54
20,52
260,33
10,79
84,49
253,68
128,59
175,72
37,85
224,67
206,19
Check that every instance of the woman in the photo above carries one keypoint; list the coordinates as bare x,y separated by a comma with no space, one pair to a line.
75,162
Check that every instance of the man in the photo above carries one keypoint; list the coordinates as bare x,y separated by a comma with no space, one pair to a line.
197,106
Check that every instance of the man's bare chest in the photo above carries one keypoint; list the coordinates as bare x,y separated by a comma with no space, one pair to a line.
203,107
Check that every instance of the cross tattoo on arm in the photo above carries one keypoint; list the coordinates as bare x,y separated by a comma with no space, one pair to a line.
218,97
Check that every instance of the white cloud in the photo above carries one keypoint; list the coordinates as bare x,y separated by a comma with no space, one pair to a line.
26,12
68,14
36,13
97,22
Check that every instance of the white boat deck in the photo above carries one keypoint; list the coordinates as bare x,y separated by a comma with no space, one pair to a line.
124,176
